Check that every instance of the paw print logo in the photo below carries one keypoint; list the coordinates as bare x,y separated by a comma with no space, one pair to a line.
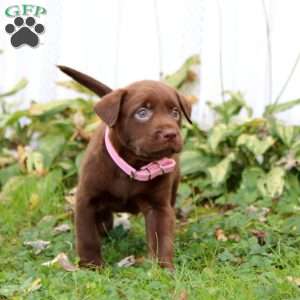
24,33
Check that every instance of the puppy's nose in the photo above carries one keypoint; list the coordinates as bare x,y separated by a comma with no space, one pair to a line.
169,134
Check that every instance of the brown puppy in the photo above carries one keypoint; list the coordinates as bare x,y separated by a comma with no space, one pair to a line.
144,120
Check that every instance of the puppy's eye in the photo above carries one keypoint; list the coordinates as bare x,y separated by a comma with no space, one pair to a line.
143,114
175,113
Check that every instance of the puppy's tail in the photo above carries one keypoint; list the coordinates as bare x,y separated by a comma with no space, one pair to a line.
94,85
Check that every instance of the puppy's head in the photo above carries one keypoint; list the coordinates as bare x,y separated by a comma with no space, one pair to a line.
146,117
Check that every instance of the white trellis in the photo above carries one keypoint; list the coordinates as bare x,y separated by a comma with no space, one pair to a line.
122,41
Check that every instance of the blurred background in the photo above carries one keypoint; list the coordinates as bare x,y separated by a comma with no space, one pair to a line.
250,46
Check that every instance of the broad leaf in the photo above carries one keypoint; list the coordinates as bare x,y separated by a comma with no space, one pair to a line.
220,172
254,144
177,79
272,184
280,107
14,90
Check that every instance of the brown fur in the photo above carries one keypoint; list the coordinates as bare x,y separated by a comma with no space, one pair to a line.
104,188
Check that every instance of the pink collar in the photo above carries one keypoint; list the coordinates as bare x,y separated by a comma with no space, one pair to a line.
147,172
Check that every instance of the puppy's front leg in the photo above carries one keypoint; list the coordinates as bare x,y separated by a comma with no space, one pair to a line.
160,223
87,237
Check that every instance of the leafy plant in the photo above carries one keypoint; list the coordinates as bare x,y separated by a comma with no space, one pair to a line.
263,154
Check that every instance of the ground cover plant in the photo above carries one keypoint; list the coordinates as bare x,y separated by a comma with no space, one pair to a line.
238,224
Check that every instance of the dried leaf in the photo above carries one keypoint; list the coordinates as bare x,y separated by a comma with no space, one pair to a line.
234,237
38,245
35,285
220,235
260,235
79,119
122,219
183,295
127,262
62,228
71,198
295,280
62,261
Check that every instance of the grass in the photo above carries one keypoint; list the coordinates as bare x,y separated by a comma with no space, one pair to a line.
241,267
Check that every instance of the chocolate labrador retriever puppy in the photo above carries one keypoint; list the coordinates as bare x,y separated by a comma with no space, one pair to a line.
131,165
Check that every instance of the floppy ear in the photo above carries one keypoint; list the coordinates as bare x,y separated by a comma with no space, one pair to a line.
108,108
185,106
94,85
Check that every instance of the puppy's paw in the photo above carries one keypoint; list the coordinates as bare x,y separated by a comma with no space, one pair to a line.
91,264
167,265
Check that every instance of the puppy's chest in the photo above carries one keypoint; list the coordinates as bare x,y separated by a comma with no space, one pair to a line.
125,188
123,195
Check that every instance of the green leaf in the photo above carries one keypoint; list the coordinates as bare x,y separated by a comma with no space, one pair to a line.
285,132
272,184
75,86
18,87
220,172
190,162
9,172
217,135
254,144
280,107
231,107
10,119
194,162
51,146
247,191
177,79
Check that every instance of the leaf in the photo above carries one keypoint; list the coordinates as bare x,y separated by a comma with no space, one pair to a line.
62,228
285,132
217,135
220,235
35,285
190,162
177,79
260,235
254,144
62,261
231,107
38,245
122,219
220,172
183,295
35,163
34,201
127,262
272,184
247,191
18,87
294,280
193,162
51,146
280,107
9,172
75,86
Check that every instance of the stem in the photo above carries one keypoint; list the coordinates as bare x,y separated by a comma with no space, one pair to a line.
288,79
159,44
118,29
220,50
269,47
